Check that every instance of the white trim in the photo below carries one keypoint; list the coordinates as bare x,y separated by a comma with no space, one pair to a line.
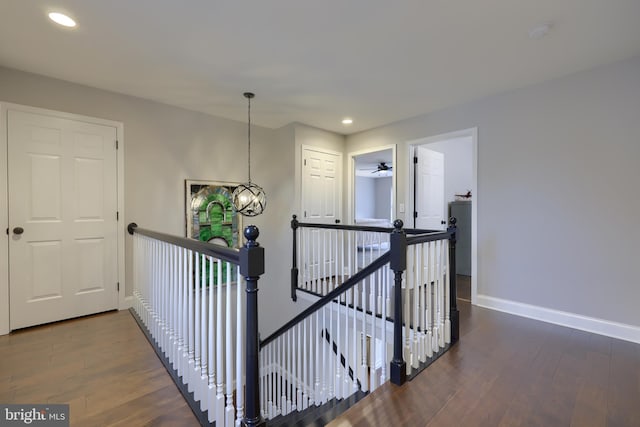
473,134
4,223
576,321
123,300
351,181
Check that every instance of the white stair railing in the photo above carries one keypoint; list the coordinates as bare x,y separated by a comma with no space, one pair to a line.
192,306
328,256
332,349
426,302
425,287
393,313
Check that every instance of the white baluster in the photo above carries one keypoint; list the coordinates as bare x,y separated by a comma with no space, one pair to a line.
195,375
288,354
219,405
211,378
441,299
190,319
299,348
338,376
239,354
305,372
447,298
383,370
229,409
434,296
413,286
428,257
204,346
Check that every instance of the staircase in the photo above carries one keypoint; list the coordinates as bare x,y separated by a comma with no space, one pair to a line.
383,308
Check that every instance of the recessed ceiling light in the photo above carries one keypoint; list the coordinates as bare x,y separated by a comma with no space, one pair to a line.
347,121
62,19
539,31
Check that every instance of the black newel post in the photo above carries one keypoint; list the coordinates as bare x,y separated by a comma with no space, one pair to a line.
252,267
453,302
294,265
398,265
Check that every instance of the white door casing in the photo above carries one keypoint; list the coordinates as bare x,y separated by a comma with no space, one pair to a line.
430,203
321,202
63,192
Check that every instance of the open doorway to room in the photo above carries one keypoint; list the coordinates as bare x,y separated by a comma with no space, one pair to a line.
443,184
372,187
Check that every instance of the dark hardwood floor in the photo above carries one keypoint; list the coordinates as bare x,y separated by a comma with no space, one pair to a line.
511,371
505,371
101,365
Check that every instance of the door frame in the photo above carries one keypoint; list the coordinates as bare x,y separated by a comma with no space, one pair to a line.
473,134
351,180
123,301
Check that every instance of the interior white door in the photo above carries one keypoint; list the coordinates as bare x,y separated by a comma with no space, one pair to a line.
62,216
429,203
321,203
321,186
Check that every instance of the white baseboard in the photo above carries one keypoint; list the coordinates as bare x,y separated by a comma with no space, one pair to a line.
576,321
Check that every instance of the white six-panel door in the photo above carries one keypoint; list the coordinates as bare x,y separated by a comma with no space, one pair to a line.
321,202
62,177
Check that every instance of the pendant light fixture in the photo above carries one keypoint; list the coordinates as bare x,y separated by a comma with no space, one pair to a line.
248,198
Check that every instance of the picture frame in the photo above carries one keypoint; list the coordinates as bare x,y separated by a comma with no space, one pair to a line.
209,213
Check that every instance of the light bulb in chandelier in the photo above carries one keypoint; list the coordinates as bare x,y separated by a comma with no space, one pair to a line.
249,199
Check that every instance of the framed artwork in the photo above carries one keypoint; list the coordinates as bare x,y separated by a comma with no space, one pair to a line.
210,215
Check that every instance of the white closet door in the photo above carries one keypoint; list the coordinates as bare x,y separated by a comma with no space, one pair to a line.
62,218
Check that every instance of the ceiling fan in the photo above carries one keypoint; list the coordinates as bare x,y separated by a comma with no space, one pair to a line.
383,167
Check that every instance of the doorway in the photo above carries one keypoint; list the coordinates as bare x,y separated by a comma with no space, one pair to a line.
455,188
63,193
372,187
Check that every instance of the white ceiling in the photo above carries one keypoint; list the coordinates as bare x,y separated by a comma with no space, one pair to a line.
376,61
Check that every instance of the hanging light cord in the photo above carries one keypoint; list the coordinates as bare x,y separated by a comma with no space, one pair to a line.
249,137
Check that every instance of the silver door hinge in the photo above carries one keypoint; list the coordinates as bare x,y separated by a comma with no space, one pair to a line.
415,159
117,144
415,214
118,286
305,162
117,216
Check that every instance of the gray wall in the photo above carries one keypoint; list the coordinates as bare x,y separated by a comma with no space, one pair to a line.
365,197
383,197
165,145
457,165
558,177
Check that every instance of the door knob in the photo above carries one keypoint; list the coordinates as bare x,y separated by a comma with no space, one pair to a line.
18,230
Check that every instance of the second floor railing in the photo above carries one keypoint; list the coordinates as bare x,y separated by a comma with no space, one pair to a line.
384,309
